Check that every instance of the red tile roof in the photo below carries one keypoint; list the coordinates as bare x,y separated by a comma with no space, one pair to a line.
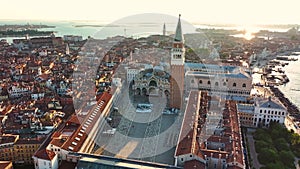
187,139
234,167
73,119
30,141
45,154
8,138
193,164
74,142
193,131
58,142
5,164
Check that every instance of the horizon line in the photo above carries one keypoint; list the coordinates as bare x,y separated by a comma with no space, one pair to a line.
109,22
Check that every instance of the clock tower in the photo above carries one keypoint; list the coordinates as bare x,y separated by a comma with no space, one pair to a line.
177,68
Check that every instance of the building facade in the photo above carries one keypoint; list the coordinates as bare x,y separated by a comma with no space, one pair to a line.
246,114
231,81
267,110
7,147
131,73
25,149
153,82
19,151
45,159
14,92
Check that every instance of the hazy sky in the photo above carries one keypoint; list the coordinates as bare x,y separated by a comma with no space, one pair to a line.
202,11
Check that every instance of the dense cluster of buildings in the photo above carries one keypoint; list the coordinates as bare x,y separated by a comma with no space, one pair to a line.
44,79
34,94
19,150
210,135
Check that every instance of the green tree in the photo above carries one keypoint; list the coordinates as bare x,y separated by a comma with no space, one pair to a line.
268,155
276,165
259,145
266,137
275,133
287,158
281,144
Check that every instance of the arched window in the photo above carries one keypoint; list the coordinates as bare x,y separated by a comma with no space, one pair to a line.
244,85
234,85
208,82
217,84
200,81
224,84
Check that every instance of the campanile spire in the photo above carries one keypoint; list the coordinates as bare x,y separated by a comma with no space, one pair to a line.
178,34
177,68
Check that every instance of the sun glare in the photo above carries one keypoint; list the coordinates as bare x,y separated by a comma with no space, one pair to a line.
249,31
248,35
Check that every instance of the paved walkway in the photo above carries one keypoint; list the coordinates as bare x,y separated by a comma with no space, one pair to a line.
142,136
253,153
296,163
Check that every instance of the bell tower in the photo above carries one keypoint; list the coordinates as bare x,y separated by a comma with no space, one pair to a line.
177,68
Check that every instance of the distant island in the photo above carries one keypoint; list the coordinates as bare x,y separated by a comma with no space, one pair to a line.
22,30
12,33
108,25
23,27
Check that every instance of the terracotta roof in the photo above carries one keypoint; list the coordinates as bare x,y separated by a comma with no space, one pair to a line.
8,138
5,164
56,134
187,139
44,76
75,141
60,137
45,154
193,124
234,167
214,153
220,139
30,141
73,119
57,142
194,164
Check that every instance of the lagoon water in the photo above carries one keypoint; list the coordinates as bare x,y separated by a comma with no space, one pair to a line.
291,90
